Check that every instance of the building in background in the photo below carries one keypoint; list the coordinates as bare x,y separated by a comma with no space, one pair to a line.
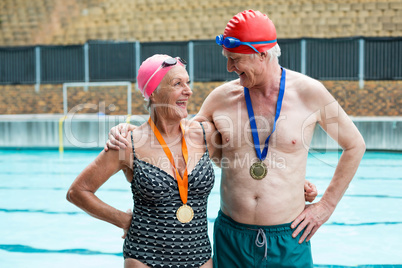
49,25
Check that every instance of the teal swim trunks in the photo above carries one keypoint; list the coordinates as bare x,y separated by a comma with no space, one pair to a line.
246,246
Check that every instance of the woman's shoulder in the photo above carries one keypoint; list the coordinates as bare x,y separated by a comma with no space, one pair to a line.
143,129
139,136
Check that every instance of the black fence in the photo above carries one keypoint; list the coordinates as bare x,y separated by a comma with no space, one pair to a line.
336,58
97,61
17,65
111,61
61,63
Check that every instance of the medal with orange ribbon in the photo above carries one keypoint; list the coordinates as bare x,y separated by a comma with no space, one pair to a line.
185,213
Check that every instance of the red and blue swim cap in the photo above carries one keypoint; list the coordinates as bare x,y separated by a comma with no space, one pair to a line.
251,26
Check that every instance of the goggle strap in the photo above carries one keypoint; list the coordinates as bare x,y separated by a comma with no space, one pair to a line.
178,59
262,42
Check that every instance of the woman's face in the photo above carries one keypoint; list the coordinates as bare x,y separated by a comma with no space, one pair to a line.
173,93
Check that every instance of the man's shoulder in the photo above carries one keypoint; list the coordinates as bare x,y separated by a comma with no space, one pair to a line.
299,77
230,87
308,90
302,83
222,94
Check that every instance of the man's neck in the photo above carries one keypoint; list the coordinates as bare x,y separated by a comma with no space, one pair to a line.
271,82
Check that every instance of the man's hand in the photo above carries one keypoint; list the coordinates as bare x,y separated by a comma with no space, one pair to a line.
312,217
310,191
117,136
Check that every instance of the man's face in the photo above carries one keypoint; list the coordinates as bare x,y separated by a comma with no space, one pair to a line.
247,67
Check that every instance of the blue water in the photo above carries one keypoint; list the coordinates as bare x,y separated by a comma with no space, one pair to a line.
39,228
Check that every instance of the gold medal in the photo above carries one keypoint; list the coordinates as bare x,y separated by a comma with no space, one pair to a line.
258,170
185,213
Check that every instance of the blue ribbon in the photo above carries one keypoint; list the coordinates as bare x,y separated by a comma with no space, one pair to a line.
251,117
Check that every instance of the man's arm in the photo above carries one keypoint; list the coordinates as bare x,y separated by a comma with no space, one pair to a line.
212,103
214,142
117,136
211,107
340,127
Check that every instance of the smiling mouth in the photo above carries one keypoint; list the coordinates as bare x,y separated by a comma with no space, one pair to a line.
181,103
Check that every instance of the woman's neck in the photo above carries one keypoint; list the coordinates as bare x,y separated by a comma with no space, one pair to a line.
167,127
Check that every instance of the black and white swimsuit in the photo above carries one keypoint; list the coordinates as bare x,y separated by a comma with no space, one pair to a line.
156,238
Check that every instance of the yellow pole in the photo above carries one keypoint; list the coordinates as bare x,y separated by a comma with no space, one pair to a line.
61,120
128,118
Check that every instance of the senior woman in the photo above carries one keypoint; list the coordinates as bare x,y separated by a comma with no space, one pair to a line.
168,166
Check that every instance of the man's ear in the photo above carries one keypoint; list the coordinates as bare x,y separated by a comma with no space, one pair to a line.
263,55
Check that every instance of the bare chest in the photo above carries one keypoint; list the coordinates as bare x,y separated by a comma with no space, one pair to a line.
291,131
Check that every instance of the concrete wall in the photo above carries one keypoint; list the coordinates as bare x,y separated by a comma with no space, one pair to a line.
376,98
379,133
42,131
83,131
75,22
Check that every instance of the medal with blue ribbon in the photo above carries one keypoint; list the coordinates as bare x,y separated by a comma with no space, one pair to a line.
259,169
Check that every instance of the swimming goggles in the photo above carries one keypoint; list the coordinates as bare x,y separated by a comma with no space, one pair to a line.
172,61
232,42
166,63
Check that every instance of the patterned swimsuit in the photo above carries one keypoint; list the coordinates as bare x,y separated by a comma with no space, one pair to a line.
156,237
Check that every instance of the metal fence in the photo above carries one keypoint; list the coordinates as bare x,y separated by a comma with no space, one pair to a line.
17,65
383,58
111,61
97,61
61,63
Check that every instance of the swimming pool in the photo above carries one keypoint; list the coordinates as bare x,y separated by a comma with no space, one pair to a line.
39,228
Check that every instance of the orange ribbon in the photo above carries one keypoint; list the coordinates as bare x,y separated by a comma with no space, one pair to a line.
181,182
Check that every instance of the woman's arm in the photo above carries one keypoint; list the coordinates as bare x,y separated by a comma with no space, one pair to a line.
82,191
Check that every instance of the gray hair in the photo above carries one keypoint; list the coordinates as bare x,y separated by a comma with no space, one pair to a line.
274,51
148,102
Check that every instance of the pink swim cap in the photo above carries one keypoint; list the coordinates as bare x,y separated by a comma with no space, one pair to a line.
250,26
149,73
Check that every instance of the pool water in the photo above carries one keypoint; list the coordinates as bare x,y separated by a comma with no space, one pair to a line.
39,228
